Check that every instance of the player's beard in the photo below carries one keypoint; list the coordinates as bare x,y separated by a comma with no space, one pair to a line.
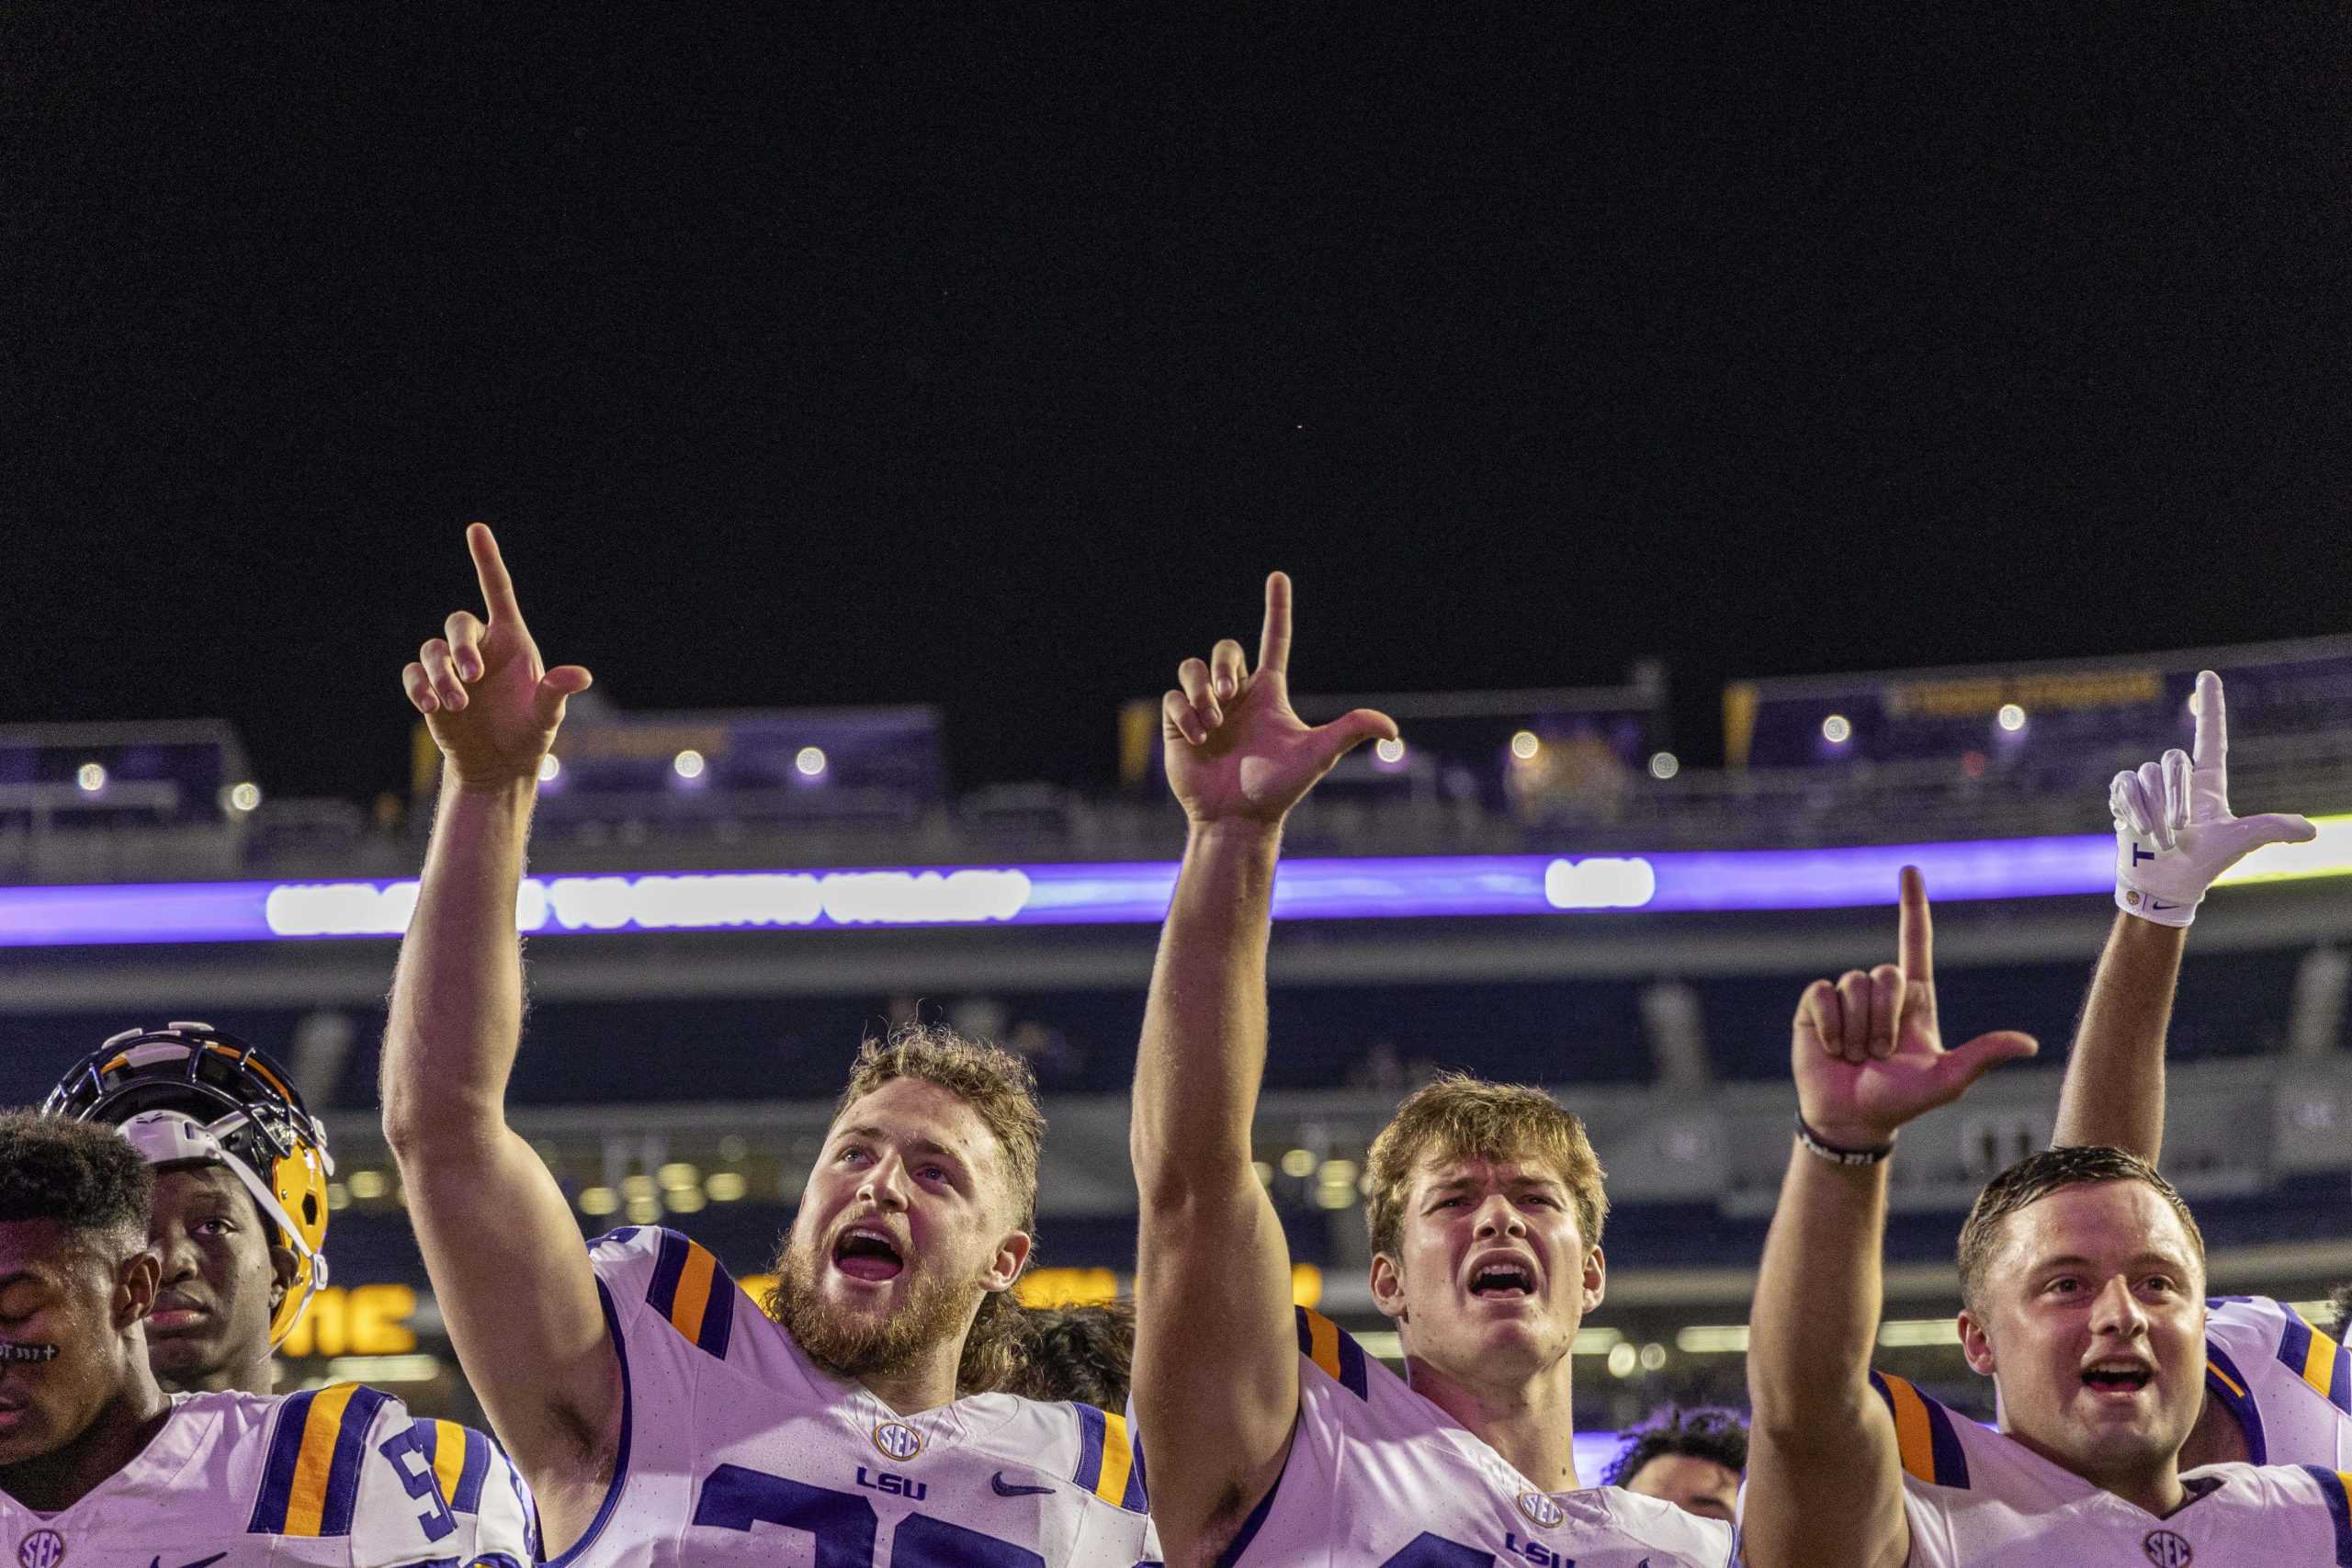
937,1309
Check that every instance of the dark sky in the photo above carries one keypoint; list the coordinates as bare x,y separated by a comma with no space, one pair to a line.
886,354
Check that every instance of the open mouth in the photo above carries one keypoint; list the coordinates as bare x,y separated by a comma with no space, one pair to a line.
865,1253
2118,1377
1502,1280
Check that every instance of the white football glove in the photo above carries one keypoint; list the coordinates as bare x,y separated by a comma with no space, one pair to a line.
2174,833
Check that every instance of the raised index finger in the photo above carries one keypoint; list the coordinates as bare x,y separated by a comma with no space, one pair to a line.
1273,639
2213,722
1918,933
497,588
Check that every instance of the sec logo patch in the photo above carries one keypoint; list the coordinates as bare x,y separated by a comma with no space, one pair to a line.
1540,1510
2166,1550
898,1440
43,1548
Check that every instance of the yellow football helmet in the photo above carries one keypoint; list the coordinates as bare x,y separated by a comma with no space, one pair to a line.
190,1091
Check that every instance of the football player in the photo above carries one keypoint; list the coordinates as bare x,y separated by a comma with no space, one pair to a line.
2083,1274
1691,1456
239,1223
660,1414
2278,1390
1274,1438
97,1463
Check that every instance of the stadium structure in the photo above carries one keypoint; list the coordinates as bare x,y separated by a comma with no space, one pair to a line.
1531,886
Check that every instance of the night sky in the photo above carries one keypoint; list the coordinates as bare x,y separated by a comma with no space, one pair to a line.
881,354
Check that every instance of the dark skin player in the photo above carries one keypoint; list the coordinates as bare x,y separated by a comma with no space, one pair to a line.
76,1275
223,1275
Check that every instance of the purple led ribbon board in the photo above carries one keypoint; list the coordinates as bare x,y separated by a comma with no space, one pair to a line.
1124,893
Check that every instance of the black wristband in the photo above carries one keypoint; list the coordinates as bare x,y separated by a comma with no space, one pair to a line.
1813,1143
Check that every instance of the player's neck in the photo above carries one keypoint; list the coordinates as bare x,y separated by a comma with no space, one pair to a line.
927,1385
125,1424
235,1377
2155,1488
2217,1438
1529,1422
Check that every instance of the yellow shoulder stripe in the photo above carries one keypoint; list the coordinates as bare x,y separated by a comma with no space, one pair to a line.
694,1290
306,1508
1913,1438
1323,1343
1118,1461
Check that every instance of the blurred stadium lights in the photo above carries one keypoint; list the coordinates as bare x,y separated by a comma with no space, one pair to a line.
1111,893
2081,710
61,779
687,764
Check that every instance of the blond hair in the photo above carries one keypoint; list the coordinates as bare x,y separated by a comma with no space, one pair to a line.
1002,1092
1460,1117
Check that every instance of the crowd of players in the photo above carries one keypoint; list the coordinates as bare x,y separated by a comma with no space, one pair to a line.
162,1221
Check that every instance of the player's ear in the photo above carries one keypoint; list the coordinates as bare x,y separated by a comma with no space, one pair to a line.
137,1279
1975,1344
1011,1255
1387,1287
1596,1279
282,1267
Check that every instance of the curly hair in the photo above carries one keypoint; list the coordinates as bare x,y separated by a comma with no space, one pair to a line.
1002,1092
1698,1431
84,1175
1081,1353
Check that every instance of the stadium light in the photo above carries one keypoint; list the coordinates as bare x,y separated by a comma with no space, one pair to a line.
91,777
2011,717
1524,745
1664,765
551,768
244,797
810,762
724,1186
687,764
1391,753
1835,729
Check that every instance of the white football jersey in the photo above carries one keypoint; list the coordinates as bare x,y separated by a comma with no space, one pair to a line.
736,1448
1378,1477
1977,1498
2289,1385
337,1476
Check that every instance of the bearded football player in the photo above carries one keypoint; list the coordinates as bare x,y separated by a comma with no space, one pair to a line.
1274,1438
658,1414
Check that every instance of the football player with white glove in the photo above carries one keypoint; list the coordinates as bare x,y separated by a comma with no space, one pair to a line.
2173,832
2278,1389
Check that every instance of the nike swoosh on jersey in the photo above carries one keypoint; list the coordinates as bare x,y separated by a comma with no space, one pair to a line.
200,1563
1014,1489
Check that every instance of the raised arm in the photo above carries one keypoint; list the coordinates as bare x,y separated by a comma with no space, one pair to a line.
1825,1482
2174,835
508,1268
1216,1366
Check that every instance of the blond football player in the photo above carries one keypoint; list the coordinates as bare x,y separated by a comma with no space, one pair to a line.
661,1416
1273,1438
2083,1274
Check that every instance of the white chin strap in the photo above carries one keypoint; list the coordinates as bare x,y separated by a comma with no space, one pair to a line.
168,1137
